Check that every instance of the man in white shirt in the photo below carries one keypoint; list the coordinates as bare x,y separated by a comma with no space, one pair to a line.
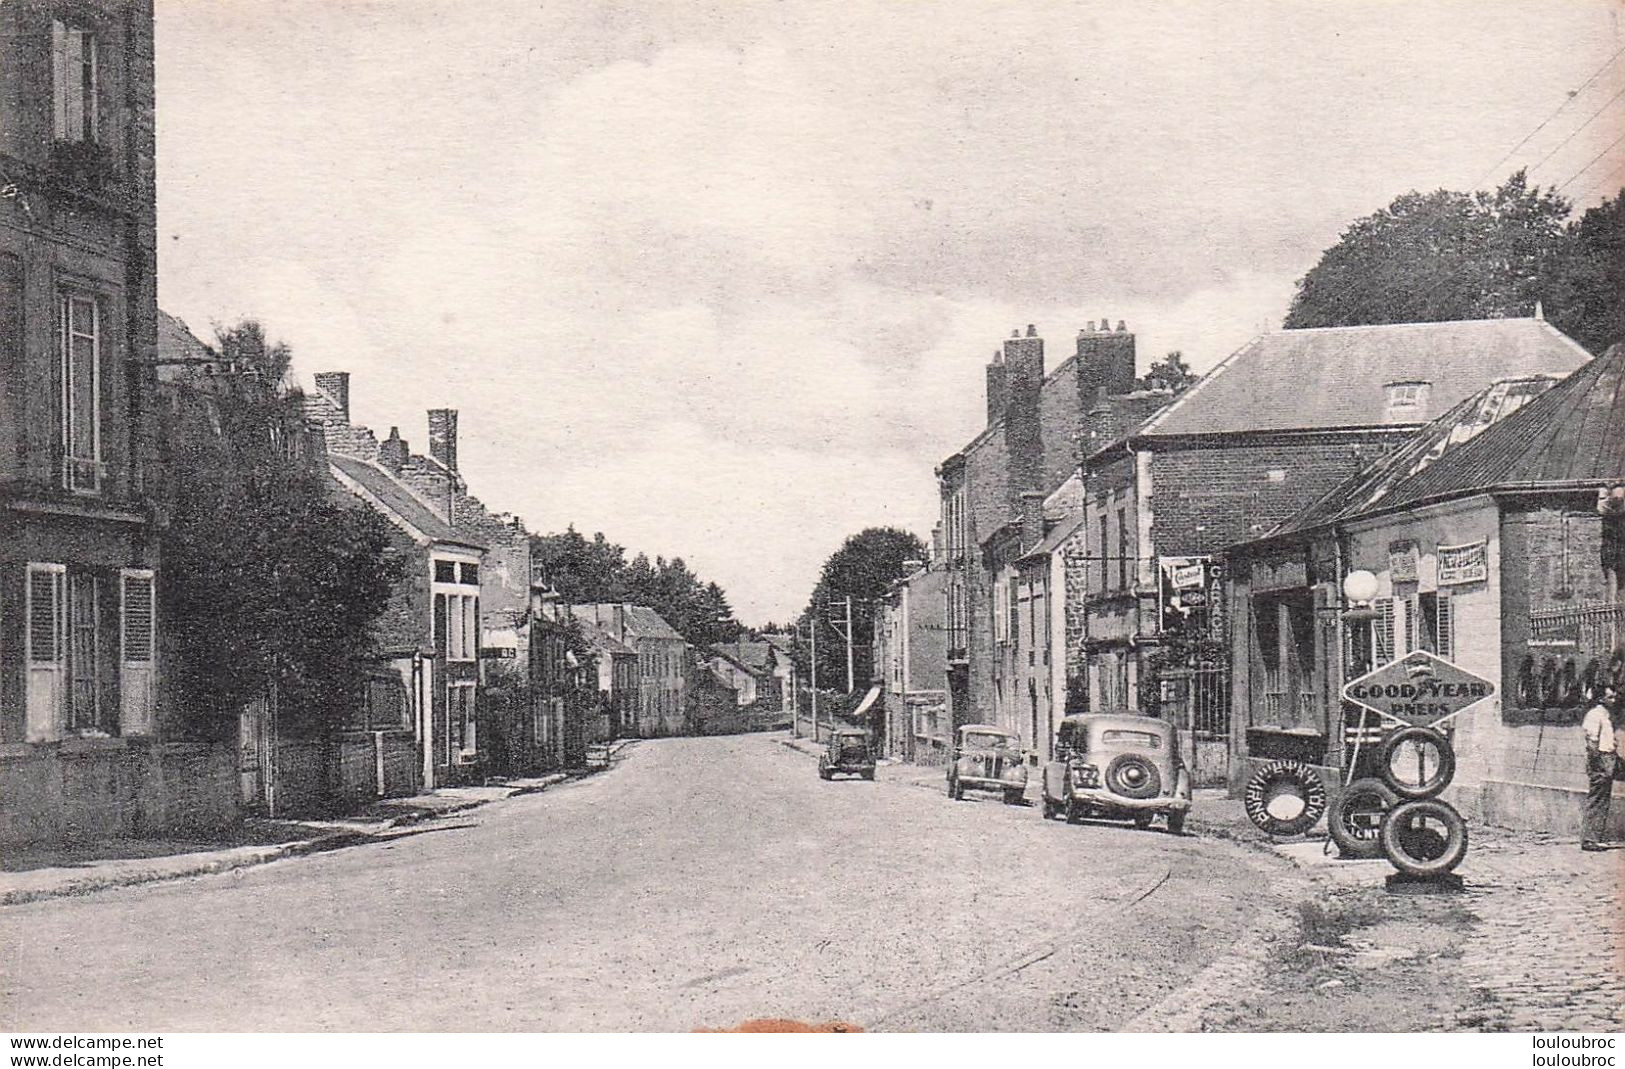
1601,753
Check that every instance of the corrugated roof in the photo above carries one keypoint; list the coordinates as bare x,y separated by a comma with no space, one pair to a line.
399,500
1336,376
1455,428
1574,434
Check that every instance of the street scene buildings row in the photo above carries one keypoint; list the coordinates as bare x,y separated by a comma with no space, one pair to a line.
1106,547
478,667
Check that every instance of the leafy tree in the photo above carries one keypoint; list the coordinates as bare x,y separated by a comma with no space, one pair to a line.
247,346
863,568
267,577
1447,255
1171,372
597,570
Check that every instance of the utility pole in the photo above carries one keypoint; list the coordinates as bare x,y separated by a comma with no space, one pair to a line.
849,682
813,626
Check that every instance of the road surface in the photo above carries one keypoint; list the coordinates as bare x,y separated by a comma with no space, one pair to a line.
700,883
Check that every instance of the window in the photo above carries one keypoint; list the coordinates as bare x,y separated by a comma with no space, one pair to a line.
1430,624
74,83
445,571
79,352
1104,554
456,610
461,744
1122,548
468,574
84,694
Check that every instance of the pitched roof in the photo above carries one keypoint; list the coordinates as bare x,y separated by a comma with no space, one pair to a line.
756,656
604,640
1369,488
1335,376
1057,535
400,502
1572,435
649,624
177,343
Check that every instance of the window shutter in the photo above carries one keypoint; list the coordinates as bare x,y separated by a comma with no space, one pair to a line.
1413,624
46,646
1445,639
137,645
59,79
1382,633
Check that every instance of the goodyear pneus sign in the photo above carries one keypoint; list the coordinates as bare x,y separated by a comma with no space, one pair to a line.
1419,688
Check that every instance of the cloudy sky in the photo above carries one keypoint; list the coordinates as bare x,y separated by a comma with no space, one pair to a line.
720,280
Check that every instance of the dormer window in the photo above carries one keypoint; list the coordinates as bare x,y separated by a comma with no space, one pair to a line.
1408,401
75,83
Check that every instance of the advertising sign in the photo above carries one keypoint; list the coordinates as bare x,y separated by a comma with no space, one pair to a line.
1183,601
1463,564
1404,564
1419,688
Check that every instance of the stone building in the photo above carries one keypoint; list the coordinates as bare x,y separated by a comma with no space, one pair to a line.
663,663
85,741
910,658
1275,426
1496,537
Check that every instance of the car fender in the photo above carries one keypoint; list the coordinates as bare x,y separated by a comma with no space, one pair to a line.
1055,781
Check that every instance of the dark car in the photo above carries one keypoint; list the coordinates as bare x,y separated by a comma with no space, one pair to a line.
987,758
847,753
1118,765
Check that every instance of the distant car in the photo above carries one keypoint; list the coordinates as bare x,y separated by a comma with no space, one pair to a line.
987,758
847,753
1117,765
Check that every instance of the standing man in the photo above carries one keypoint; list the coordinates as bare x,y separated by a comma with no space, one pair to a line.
1600,757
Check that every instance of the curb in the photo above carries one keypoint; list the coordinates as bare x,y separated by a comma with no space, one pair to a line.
320,844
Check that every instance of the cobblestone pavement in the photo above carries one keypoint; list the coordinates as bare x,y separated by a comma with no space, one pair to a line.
1548,952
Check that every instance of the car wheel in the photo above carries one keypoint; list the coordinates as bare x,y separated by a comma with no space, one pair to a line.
956,791
1408,755
1285,780
1074,813
1014,797
1132,776
825,774
1424,838
1355,819
1049,809
1143,818
1176,822
869,773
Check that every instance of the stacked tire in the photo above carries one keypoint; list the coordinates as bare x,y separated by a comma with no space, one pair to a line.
1421,835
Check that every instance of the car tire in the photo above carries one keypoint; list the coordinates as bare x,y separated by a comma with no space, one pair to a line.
869,774
1049,809
1132,776
1176,822
1012,797
1144,818
1422,736
956,791
1074,813
1363,797
1417,851
1279,777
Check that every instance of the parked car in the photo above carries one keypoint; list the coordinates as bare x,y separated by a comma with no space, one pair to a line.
847,753
987,758
1118,765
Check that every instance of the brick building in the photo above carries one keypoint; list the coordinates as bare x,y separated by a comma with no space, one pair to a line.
911,663
663,664
84,724
1277,425
1496,536
1039,424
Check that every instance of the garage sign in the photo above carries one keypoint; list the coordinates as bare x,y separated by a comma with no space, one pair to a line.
1419,688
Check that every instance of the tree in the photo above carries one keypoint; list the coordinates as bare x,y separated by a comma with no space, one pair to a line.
1169,373
267,578
596,570
246,346
1447,255
863,568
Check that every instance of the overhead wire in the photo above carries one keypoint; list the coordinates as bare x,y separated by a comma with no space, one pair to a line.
1555,113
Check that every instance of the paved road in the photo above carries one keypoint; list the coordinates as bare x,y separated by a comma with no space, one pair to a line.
699,883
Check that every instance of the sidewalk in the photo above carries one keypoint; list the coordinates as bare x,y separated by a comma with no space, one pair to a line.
55,871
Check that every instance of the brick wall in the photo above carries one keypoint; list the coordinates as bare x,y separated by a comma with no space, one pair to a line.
1205,499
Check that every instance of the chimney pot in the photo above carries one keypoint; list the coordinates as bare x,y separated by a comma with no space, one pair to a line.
1032,331
1121,326
1090,329
1016,333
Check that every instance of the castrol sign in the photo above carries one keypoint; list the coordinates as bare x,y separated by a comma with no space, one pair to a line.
1419,688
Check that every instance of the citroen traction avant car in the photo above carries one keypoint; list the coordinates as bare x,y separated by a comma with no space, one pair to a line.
847,753
1119,765
987,758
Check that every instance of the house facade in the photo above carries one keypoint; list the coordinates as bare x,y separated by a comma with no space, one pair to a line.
1277,425
1497,541
1040,424
662,664
615,674
84,749
911,663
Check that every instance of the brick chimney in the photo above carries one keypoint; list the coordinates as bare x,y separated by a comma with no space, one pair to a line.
998,388
1032,519
394,451
1105,363
335,386
1023,437
443,436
